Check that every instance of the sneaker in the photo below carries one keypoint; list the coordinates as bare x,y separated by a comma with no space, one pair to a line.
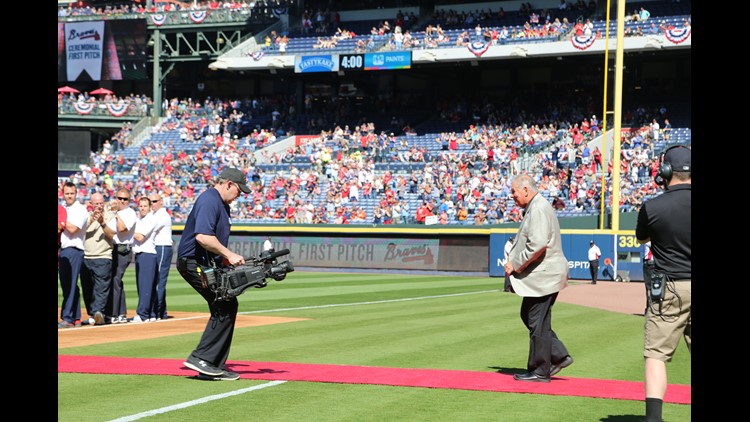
554,369
202,366
98,318
114,320
137,319
226,376
122,319
91,321
65,324
152,319
78,323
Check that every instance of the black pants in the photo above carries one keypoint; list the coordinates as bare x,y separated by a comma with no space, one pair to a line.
117,305
544,346
96,284
216,340
594,268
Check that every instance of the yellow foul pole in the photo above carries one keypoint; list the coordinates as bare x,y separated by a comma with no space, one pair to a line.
617,115
605,156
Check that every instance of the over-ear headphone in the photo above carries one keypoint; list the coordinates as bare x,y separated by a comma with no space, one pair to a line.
665,167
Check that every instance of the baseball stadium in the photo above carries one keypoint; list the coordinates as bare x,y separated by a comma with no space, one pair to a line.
378,142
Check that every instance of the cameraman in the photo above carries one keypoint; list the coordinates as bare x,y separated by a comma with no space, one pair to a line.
665,221
204,246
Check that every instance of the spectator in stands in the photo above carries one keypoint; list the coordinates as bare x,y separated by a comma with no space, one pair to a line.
644,14
558,204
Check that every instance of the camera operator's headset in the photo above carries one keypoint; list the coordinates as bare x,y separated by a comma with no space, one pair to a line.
665,167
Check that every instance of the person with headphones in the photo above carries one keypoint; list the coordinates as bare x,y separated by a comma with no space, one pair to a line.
665,221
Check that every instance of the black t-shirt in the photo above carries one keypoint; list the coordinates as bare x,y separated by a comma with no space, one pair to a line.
666,221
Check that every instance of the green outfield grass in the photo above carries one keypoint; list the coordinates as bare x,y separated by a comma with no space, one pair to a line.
405,321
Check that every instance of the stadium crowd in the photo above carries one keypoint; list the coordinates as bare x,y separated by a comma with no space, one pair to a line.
127,9
331,178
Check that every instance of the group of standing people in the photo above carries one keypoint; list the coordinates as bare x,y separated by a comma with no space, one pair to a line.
98,244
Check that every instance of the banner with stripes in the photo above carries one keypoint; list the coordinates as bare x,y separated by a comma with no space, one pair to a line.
158,19
478,47
677,35
83,107
198,16
117,110
583,42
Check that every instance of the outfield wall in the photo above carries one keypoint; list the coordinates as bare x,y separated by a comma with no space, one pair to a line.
431,248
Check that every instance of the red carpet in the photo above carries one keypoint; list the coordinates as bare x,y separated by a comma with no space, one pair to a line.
404,377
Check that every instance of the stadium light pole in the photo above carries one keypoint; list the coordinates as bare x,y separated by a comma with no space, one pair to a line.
617,115
157,72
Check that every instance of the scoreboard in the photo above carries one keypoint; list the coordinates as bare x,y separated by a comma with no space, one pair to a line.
351,61
356,61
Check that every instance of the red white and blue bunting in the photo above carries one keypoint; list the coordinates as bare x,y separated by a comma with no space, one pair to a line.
677,35
83,108
117,110
197,16
279,11
478,47
158,19
583,42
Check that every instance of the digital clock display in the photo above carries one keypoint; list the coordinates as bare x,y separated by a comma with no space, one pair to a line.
352,61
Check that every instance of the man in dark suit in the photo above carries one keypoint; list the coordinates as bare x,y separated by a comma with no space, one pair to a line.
538,271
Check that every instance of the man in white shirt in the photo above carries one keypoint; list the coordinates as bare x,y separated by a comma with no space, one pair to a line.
144,248
71,257
123,225
594,254
163,241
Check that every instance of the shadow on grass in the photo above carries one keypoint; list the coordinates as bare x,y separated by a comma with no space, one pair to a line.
238,368
508,371
622,418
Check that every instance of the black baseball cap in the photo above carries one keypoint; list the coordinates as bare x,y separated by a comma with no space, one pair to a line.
679,158
236,176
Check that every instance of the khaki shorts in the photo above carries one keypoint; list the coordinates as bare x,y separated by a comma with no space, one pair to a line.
662,332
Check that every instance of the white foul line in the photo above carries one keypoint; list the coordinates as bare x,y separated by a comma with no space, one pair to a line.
194,402
334,305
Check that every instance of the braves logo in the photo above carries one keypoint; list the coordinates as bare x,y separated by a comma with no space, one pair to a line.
409,254
91,33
